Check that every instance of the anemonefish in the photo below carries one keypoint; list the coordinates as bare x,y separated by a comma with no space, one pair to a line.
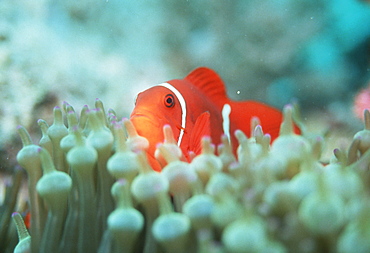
194,107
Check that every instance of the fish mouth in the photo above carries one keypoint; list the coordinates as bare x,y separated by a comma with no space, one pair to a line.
150,127
144,116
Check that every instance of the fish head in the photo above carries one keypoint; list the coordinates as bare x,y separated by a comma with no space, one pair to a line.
154,108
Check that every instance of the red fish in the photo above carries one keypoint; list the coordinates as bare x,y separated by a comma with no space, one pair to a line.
194,107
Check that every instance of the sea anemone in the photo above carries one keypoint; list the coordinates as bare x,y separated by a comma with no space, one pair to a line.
277,198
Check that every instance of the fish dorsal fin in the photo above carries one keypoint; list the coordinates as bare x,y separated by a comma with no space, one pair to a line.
209,82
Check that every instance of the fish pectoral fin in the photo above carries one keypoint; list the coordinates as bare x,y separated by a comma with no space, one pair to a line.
202,127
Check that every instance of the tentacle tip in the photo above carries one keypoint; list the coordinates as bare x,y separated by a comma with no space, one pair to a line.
158,145
336,152
122,181
240,135
319,138
206,138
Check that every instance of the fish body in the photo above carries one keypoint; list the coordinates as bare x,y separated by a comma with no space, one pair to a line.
194,107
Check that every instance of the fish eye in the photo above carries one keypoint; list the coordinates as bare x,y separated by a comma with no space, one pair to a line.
169,100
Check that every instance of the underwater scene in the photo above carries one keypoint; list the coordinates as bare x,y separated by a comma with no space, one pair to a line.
185,126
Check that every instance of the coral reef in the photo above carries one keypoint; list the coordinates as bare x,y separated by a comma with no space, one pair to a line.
92,190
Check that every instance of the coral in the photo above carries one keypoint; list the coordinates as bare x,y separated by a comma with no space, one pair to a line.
268,198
